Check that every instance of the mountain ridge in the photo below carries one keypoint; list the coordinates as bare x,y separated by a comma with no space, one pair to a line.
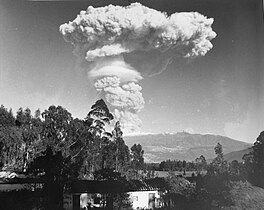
183,145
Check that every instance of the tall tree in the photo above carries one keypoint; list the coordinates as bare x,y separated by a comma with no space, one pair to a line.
137,159
258,161
11,155
30,128
69,136
216,181
219,164
10,141
56,121
122,156
97,119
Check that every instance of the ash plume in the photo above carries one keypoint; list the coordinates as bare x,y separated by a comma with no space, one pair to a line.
119,44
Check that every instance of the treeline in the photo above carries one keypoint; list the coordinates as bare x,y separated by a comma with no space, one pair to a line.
199,164
59,148
84,143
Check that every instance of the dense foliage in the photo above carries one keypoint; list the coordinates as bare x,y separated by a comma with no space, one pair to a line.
178,165
254,162
82,143
58,148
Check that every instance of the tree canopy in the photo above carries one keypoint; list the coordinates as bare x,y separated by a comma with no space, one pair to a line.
254,162
59,148
88,145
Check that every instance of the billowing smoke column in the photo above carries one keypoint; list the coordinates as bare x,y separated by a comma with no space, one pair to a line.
112,39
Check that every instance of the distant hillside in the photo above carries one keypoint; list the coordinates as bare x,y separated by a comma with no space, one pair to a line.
182,146
237,155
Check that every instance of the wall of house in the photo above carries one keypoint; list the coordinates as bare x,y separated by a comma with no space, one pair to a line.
141,199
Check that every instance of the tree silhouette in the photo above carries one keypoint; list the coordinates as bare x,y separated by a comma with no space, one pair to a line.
256,174
200,163
137,159
122,156
219,164
216,181
98,117
55,126
96,120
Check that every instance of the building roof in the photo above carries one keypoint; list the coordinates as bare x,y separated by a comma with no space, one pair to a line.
148,184
4,187
94,186
15,182
116,186
10,181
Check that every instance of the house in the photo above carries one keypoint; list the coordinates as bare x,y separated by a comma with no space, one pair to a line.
147,194
143,194
145,199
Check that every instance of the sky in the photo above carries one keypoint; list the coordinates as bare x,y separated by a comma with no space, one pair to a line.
220,93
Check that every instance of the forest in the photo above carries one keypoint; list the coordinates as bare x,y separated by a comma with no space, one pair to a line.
83,144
